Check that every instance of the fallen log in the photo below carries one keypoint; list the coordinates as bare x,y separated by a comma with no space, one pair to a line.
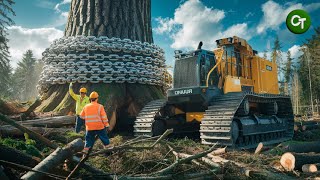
55,158
310,168
15,156
45,141
32,134
50,122
310,127
303,147
295,161
33,106
14,132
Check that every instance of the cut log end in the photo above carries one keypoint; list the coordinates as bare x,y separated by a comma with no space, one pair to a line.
288,161
259,148
309,168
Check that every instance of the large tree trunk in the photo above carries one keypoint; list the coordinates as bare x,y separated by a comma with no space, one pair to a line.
102,23
123,19
54,159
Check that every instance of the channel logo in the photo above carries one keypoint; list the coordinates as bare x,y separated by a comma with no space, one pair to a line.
298,21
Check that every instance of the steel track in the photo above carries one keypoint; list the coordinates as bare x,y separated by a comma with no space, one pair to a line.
144,120
216,126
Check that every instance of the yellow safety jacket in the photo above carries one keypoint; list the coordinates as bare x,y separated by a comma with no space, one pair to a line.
95,116
79,104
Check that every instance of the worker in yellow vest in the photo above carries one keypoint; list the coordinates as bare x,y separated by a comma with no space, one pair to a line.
81,101
96,122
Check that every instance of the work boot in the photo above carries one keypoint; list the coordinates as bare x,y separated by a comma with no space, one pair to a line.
85,151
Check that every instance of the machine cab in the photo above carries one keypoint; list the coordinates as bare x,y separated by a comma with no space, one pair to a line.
190,76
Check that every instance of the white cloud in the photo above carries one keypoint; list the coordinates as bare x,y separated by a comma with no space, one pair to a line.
312,7
240,30
21,39
194,22
63,15
165,25
295,51
275,14
57,7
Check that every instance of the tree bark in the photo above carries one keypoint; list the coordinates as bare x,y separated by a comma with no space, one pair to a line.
123,19
311,168
291,161
32,134
50,122
304,147
14,132
33,106
15,156
310,127
55,158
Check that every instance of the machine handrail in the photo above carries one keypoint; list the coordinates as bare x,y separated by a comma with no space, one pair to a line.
207,82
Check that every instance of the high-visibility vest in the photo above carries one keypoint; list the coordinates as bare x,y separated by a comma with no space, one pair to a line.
80,103
95,116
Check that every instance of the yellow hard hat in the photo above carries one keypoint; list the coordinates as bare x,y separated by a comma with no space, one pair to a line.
94,95
83,90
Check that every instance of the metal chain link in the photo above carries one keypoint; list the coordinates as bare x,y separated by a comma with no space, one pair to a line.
93,59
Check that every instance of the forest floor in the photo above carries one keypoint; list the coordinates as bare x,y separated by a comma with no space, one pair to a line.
143,160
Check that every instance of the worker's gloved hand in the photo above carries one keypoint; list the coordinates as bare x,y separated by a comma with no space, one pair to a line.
108,129
70,86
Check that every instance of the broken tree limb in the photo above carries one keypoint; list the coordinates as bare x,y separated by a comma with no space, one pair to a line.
180,155
89,167
32,134
81,162
22,167
259,148
15,156
33,106
128,146
207,161
218,151
12,131
55,158
310,168
184,160
303,147
291,161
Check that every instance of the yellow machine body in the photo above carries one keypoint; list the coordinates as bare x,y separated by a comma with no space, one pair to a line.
249,72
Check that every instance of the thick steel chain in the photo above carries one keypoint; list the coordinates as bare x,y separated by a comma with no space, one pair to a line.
101,59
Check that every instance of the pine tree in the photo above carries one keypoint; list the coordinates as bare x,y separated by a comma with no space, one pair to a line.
310,60
276,57
265,56
5,68
25,77
288,68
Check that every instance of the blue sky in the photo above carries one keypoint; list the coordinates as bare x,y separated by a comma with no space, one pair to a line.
177,24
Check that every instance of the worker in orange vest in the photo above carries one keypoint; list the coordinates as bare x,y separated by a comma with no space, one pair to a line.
81,101
96,122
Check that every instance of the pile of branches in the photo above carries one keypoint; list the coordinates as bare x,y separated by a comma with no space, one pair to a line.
158,158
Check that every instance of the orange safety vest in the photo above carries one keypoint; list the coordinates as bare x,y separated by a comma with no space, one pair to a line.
95,116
